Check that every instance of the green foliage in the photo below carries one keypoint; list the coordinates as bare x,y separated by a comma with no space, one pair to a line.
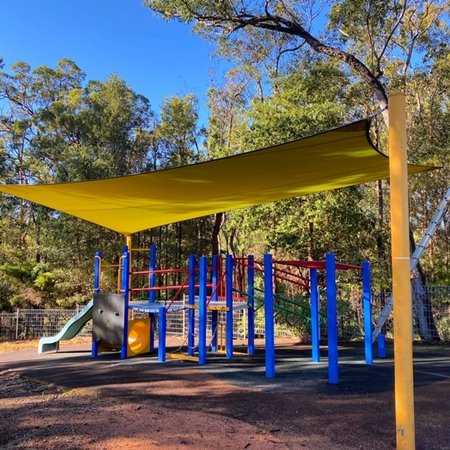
178,133
57,127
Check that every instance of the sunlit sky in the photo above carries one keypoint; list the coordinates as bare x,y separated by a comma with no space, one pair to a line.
156,58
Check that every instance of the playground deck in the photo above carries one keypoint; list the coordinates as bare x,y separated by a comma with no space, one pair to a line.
68,400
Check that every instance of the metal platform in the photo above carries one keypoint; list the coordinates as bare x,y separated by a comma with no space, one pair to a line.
153,307
144,306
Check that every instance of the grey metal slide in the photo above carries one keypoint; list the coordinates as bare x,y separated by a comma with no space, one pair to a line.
69,330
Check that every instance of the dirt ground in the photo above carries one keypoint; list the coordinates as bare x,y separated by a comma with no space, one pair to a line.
66,400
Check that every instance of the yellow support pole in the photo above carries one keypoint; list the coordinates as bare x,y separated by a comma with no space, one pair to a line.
401,277
129,241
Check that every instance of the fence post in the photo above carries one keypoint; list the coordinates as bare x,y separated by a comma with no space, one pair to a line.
17,324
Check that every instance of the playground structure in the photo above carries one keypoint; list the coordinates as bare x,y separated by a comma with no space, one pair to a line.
220,287
286,181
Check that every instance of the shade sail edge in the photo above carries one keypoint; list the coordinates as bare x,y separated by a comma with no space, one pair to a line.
338,158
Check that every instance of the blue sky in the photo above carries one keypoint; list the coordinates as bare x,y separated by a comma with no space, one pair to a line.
156,58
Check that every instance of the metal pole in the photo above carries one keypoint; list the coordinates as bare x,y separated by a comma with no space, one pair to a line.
202,311
333,367
152,276
214,296
251,304
129,239
191,311
269,316
401,289
314,293
126,293
152,294
229,300
97,278
367,312
17,323
162,334
381,345
97,272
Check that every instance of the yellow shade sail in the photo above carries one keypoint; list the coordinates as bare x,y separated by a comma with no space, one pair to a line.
330,160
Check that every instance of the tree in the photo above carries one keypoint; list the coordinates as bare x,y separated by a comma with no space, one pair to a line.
55,127
377,42
226,114
404,26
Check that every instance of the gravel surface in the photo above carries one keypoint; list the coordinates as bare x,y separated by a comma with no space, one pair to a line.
67,400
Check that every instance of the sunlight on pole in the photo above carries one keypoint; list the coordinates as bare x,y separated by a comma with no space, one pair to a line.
401,278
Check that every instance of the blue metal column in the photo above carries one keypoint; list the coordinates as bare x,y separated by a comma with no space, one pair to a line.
367,312
97,290
315,325
191,310
229,266
202,312
126,294
162,319
97,271
333,369
269,317
214,296
152,294
251,305
381,340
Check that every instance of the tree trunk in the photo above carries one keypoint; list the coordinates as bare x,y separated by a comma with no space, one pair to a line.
218,223
423,312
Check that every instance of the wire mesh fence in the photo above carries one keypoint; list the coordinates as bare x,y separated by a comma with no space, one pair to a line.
36,323
431,313
435,315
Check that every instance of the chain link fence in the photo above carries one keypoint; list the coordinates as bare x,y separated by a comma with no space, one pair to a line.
35,323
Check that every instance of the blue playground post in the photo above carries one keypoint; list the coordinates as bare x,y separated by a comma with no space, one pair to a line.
191,310
333,369
214,295
126,294
97,272
162,320
381,340
269,316
202,312
315,325
367,312
229,300
152,276
152,294
251,305
97,275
